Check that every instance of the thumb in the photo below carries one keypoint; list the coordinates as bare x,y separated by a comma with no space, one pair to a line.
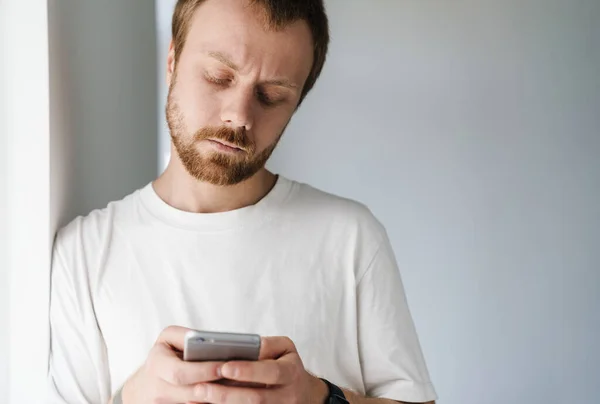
174,336
276,347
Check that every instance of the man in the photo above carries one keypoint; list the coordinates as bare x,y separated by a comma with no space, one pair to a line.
219,243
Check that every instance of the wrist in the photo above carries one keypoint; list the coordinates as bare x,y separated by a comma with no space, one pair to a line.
335,394
319,391
125,394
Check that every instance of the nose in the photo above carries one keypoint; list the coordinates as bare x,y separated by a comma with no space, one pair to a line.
237,110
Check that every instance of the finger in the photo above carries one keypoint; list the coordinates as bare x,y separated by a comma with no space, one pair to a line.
275,347
173,336
167,365
219,394
163,392
269,372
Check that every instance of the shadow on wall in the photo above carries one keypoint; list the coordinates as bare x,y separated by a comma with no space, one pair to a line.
103,102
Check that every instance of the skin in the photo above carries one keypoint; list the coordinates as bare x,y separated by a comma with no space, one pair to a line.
231,64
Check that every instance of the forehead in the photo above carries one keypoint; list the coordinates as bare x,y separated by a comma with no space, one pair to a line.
236,28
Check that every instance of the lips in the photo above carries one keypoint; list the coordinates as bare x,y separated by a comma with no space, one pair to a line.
226,145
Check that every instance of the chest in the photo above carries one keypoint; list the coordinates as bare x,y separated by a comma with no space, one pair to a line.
260,287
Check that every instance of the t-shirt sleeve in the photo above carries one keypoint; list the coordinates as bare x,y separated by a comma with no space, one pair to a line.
391,358
78,368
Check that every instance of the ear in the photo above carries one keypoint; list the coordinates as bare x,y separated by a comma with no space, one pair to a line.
170,63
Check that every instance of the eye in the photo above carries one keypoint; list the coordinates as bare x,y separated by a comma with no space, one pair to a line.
264,99
219,81
267,100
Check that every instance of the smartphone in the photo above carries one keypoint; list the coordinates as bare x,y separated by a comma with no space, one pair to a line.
205,346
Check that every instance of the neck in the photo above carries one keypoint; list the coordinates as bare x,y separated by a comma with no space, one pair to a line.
180,190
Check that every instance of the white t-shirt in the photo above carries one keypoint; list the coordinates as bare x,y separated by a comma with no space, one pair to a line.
300,263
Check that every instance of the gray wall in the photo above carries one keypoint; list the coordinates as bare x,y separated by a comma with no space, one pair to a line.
4,275
472,130
4,297
103,109
4,280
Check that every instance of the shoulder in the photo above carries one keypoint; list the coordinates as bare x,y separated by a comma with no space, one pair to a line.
347,214
91,232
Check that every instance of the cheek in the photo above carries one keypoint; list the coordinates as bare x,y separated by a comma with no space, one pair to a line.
199,106
269,126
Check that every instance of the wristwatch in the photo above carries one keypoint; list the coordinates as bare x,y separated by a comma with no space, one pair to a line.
336,395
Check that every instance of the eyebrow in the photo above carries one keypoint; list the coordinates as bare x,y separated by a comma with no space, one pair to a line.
282,83
221,57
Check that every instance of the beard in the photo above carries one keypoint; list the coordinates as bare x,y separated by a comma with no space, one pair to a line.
217,168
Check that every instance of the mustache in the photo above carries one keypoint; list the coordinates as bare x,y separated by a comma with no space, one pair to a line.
237,137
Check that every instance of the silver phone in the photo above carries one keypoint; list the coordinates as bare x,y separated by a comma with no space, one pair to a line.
208,346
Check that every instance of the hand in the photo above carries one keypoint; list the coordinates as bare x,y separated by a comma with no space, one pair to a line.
165,378
279,369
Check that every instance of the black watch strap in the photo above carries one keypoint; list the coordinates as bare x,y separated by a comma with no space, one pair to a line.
336,395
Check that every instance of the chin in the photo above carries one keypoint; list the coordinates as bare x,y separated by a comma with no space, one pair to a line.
216,174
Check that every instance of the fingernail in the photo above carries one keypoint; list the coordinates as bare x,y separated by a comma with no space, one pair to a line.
219,371
229,371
